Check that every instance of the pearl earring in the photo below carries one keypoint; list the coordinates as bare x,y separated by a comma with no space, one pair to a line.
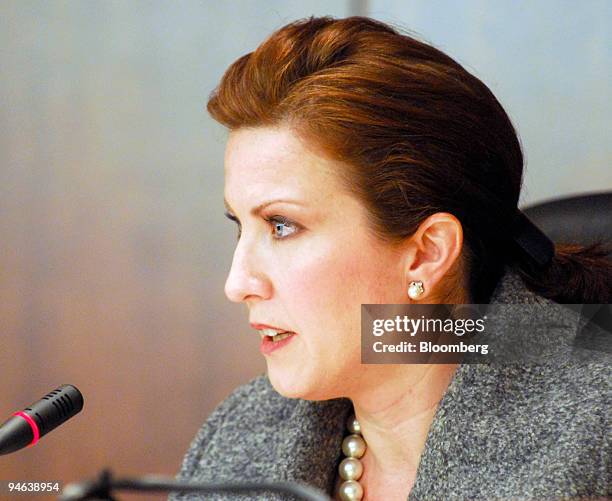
415,289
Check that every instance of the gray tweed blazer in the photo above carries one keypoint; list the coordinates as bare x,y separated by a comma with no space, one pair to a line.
500,432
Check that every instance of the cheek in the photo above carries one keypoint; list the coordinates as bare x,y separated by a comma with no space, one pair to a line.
331,282
319,289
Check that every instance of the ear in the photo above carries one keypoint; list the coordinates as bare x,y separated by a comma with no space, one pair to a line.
433,250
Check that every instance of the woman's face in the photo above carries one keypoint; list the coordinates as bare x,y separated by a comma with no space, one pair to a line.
305,261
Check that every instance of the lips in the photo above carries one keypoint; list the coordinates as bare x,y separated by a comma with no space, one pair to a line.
260,327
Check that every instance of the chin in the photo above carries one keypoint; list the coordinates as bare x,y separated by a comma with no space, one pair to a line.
286,385
292,385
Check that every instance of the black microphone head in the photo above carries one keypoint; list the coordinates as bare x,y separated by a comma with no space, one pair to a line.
27,426
55,408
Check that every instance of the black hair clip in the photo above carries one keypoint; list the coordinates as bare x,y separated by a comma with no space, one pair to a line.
531,242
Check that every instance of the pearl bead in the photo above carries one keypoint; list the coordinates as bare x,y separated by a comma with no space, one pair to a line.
350,491
353,425
350,469
415,289
353,446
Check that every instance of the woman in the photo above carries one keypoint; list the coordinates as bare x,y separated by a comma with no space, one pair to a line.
366,167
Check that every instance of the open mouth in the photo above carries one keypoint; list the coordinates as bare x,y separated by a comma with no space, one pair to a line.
274,340
275,335
282,335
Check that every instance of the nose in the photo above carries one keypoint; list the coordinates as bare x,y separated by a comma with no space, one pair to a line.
246,279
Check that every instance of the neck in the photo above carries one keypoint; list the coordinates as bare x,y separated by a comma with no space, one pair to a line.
395,412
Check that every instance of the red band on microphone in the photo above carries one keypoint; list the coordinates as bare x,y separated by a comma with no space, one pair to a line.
32,424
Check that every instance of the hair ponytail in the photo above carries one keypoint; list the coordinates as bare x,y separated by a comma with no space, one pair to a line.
576,274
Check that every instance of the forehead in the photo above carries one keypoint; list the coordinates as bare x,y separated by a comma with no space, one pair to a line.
275,159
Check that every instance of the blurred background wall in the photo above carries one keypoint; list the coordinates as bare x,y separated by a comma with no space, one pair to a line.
114,248
549,62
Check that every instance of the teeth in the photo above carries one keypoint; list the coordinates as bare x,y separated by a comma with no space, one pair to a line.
270,332
278,337
274,334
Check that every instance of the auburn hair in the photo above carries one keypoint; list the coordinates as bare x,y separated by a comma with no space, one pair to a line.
416,134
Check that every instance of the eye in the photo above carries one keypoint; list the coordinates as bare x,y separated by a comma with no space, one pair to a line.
281,227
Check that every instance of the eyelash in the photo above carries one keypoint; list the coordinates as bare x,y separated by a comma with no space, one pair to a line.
274,220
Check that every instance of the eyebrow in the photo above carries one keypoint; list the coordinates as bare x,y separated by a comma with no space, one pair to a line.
255,211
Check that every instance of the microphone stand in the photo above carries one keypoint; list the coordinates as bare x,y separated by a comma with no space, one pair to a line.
101,489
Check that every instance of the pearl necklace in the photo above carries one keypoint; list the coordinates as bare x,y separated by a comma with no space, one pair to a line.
351,468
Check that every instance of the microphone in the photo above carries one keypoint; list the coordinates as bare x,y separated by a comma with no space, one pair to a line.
26,427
